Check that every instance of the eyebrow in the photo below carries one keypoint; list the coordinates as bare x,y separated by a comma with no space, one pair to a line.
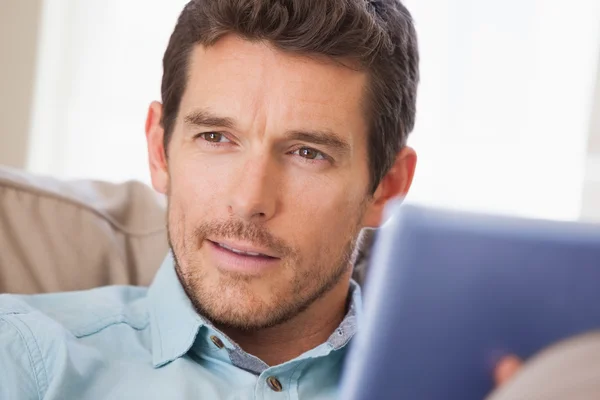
324,138
208,119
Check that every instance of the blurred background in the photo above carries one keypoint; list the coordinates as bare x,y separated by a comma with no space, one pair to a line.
508,116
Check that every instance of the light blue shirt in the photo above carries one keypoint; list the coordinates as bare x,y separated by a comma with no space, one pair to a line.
147,343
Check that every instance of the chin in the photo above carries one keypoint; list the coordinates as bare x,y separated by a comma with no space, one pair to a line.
236,303
249,317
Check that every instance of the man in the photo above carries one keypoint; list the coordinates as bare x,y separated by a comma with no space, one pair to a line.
281,134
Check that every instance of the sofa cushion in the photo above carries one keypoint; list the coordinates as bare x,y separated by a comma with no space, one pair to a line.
72,235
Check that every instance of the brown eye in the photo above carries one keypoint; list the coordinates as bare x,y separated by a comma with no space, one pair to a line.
311,154
212,137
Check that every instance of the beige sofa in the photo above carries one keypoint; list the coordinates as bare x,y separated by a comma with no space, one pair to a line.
72,235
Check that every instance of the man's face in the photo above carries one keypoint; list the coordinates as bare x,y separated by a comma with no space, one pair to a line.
267,179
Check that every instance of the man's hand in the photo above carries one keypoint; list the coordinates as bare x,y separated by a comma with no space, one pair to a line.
506,369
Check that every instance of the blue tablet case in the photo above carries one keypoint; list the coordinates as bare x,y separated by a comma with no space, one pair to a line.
449,293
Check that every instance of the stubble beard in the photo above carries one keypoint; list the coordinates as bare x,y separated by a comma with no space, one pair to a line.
251,313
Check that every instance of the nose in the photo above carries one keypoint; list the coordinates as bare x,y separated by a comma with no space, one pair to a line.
254,194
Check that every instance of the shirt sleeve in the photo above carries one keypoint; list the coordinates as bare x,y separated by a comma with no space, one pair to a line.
20,362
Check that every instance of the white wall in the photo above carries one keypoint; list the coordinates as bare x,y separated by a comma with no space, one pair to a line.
100,67
591,189
19,21
505,104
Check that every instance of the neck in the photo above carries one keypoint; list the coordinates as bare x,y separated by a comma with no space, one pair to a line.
302,333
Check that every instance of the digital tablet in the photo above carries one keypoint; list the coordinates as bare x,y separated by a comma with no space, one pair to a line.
449,293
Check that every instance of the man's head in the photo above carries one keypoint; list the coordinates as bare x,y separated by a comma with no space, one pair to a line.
281,134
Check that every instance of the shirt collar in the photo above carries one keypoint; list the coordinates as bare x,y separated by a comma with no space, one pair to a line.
347,329
175,322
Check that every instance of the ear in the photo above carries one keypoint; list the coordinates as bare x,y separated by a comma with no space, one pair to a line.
157,156
395,183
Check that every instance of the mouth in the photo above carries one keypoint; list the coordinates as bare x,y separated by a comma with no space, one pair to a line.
241,251
240,258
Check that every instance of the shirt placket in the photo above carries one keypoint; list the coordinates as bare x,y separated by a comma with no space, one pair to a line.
278,383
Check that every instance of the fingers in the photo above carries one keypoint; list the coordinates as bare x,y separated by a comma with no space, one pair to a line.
506,369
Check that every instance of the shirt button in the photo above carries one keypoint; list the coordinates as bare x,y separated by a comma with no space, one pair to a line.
274,384
217,342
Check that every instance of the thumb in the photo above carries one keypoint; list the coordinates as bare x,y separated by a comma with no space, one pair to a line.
506,369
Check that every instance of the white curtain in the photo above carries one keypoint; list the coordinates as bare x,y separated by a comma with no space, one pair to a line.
504,105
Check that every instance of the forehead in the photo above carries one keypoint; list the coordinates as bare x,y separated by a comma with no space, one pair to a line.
252,81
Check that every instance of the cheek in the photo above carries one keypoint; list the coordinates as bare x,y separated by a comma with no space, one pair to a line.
192,200
196,186
325,195
323,216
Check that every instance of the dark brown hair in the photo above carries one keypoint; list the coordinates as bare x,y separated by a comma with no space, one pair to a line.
377,35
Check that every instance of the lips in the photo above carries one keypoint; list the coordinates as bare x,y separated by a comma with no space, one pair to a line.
242,250
244,253
240,258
